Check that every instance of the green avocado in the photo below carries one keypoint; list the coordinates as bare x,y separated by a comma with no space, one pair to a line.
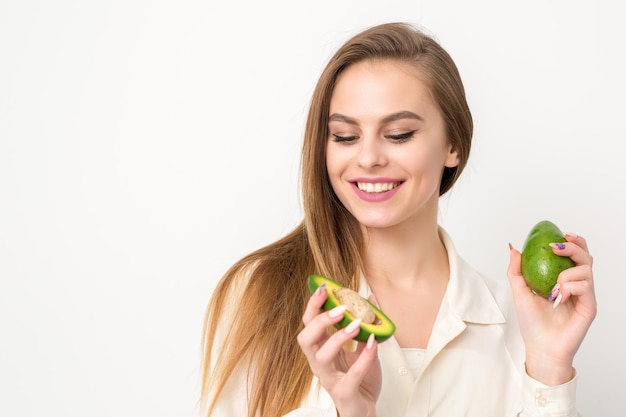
382,327
540,265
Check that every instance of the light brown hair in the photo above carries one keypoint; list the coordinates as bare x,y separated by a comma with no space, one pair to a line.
261,338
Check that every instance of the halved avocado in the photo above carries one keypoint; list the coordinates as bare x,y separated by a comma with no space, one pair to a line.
382,328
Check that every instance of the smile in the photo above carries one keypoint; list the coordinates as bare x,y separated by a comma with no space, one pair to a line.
379,187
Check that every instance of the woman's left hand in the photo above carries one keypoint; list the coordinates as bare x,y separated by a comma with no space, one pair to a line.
554,329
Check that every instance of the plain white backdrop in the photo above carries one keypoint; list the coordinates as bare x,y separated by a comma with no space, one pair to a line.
147,145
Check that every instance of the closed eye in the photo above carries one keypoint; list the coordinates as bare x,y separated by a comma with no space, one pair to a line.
338,138
402,136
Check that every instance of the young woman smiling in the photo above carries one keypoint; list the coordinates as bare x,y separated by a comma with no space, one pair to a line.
388,132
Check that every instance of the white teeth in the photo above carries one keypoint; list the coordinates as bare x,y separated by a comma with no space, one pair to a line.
378,187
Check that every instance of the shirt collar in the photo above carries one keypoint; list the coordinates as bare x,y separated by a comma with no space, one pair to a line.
467,295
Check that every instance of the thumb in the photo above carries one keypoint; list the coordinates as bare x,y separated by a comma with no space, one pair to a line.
514,272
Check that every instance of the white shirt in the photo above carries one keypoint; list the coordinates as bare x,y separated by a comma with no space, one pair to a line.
473,365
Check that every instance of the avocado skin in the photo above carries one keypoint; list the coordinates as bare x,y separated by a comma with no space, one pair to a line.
540,265
381,331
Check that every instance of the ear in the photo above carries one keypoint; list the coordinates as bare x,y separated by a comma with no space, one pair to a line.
452,158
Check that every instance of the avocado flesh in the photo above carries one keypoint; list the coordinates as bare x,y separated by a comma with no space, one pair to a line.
382,328
540,265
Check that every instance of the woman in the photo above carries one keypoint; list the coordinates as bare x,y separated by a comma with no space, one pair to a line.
388,133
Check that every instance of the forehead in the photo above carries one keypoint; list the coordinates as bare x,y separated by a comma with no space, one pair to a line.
380,85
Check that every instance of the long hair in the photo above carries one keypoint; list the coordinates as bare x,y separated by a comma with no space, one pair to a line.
261,339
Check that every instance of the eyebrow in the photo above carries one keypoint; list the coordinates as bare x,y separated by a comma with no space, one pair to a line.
336,117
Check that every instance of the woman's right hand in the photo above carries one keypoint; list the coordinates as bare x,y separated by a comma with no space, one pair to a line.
352,379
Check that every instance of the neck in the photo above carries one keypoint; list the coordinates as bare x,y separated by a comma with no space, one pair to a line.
404,256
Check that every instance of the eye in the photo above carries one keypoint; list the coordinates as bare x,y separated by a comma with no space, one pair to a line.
343,139
401,137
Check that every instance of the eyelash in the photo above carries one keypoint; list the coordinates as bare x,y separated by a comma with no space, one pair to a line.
343,139
400,138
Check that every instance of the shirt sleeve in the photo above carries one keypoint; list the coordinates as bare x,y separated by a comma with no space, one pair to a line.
541,400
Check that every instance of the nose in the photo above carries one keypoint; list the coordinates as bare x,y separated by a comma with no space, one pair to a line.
371,152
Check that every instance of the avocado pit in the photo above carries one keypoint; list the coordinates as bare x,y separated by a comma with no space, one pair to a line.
373,320
358,306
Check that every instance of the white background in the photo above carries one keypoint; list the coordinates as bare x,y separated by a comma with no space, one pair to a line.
147,145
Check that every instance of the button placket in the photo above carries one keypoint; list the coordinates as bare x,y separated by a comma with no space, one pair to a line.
542,401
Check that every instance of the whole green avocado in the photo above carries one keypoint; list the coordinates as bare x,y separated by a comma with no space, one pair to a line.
540,265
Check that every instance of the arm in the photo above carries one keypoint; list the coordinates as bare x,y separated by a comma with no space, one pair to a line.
553,330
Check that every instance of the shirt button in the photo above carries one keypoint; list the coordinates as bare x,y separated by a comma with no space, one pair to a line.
542,401
402,371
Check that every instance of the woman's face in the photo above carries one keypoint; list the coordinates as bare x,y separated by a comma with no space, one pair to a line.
387,145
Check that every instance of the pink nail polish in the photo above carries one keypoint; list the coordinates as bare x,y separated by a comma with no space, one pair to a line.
555,290
557,301
370,341
337,311
559,246
353,325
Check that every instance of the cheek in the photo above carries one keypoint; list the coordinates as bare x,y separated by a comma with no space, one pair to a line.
333,167
421,159
424,163
335,161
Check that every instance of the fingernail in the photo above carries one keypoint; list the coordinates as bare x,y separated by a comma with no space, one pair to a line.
337,311
572,235
353,325
557,301
321,289
560,246
370,341
554,291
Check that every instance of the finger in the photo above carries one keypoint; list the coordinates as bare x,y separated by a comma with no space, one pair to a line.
576,273
327,354
315,332
572,250
574,288
577,281
514,272
314,306
579,240
368,354
584,293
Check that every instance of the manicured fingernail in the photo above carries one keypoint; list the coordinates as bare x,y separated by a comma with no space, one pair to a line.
510,246
557,301
554,291
560,246
572,235
337,311
321,289
370,341
353,325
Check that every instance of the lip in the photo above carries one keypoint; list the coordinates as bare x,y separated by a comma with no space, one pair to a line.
375,197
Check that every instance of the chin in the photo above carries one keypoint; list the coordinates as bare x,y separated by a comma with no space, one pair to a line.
376,223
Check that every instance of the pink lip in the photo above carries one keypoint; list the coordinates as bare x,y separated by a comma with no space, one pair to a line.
375,197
